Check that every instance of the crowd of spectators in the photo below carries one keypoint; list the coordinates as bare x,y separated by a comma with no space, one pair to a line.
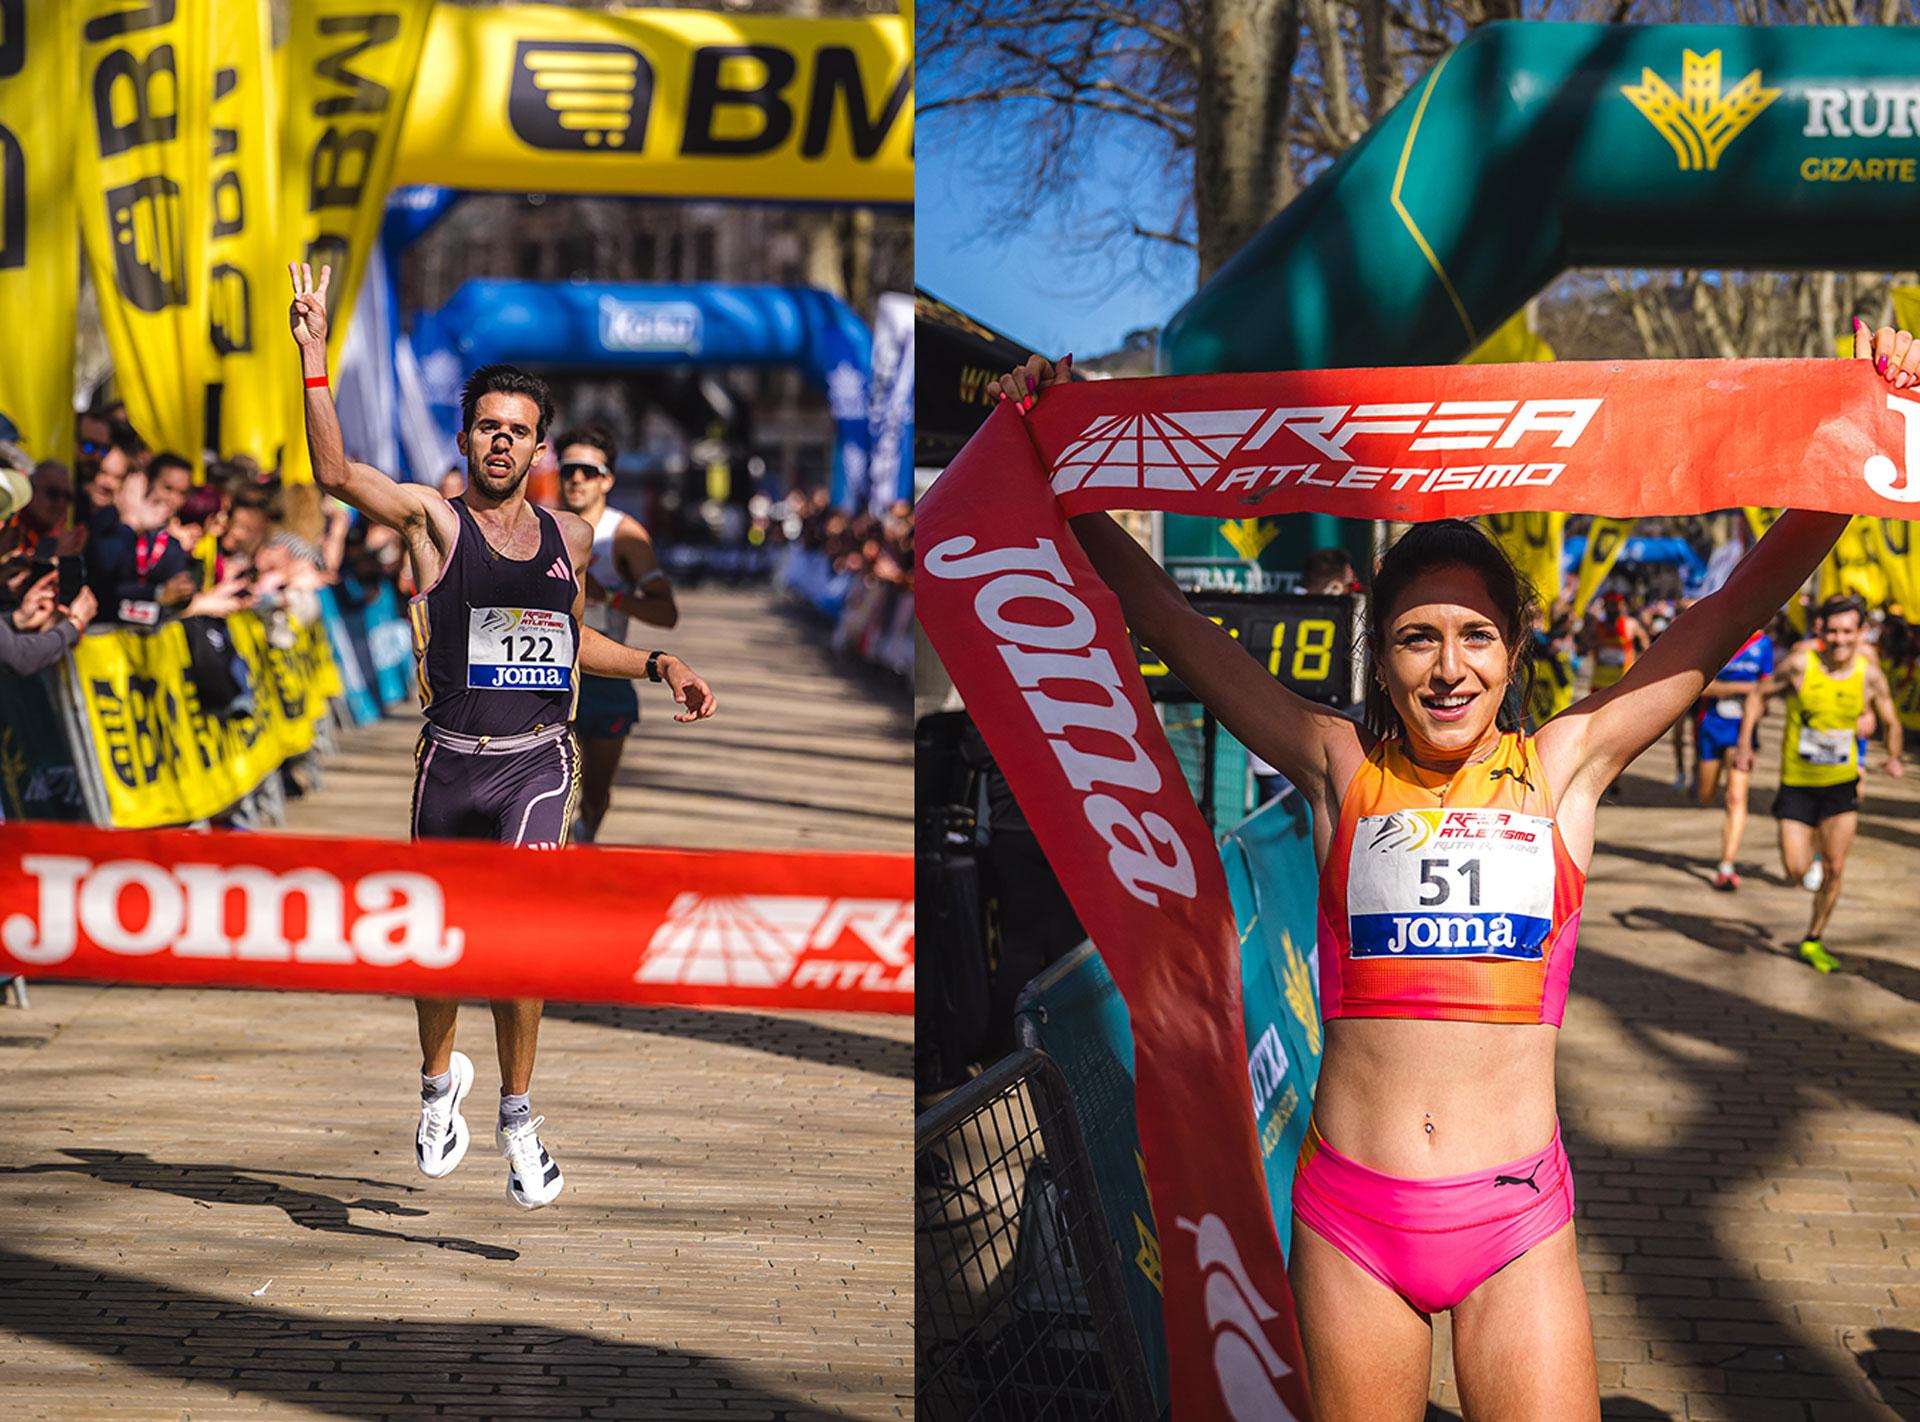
124,537
856,568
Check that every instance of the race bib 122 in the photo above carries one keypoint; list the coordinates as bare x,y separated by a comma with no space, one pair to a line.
519,649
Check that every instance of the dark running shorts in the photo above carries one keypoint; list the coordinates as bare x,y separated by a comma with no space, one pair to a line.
525,797
609,708
1811,804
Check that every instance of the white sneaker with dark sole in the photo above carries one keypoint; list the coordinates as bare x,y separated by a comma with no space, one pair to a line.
533,1177
441,1142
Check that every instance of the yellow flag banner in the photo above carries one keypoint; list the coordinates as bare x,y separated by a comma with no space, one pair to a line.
1889,542
1853,567
1532,543
165,760
250,360
349,70
675,103
39,260
1605,538
140,173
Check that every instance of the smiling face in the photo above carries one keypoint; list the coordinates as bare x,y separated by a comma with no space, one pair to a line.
1447,662
586,478
1841,632
502,444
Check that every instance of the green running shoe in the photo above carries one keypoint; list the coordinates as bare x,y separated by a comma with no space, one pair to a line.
1822,960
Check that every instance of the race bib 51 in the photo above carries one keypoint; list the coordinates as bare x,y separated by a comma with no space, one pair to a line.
519,649
1451,884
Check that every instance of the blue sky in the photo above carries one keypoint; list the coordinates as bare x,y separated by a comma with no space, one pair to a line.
1025,285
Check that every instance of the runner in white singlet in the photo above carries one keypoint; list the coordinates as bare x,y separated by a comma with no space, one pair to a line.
624,582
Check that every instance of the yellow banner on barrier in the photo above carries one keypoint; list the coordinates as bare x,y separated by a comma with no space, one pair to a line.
139,169
165,760
39,261
674,103
251,361
348,68
1605,539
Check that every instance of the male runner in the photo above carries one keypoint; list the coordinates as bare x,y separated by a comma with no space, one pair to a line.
1827,686
498,643
624,581
1730,699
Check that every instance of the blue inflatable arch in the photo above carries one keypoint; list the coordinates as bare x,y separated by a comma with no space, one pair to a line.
643,326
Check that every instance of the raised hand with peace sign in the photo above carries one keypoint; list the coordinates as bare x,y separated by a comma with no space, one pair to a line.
308,315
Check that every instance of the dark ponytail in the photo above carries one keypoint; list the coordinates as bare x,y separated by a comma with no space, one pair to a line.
1449,543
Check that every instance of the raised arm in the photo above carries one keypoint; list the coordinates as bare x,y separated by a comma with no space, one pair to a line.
1614,726
399,506
1298,737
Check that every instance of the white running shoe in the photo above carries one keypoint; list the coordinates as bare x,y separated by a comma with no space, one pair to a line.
441,1142
1814,878
533,1177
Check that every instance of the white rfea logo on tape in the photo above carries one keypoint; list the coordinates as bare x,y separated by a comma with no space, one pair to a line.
402,916
1883,476
1244,1360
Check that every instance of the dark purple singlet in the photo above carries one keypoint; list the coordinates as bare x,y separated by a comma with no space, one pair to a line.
497,657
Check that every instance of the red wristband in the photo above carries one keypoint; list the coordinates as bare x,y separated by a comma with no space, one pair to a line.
313,380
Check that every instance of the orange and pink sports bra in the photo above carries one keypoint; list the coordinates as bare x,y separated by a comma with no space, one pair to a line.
1449,897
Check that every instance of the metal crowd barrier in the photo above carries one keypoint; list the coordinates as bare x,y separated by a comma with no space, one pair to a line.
1019,1310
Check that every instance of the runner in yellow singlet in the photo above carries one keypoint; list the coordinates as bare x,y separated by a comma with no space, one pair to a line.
1827,687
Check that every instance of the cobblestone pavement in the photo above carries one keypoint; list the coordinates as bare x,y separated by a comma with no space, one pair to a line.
209,1208
1743,1131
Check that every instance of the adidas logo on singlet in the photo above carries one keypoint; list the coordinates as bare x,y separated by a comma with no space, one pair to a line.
560,570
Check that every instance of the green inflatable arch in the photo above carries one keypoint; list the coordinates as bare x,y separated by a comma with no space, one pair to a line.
1531,148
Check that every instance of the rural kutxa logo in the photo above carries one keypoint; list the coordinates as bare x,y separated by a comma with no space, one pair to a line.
1699,121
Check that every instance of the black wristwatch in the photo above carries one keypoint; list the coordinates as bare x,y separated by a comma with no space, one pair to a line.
653,666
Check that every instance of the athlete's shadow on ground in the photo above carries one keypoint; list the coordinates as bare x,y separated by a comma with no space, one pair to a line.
367,1368
1896,978
759,1031
1893,1366
1783,1067
214,1185
1698,866
1723,935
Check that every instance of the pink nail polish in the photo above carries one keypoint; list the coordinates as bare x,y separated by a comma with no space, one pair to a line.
1026,404
1881,365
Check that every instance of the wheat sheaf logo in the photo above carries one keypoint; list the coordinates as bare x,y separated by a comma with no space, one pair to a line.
1699,121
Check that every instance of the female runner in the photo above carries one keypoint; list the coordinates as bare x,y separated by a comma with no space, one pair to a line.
1453,852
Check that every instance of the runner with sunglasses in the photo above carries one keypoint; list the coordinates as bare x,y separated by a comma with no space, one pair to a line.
624,582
